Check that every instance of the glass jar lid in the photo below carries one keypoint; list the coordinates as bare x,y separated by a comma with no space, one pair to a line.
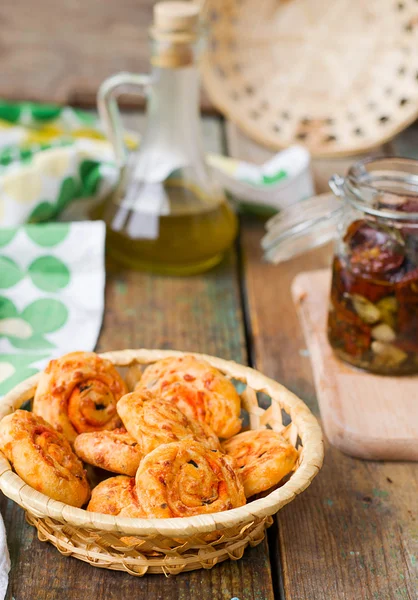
301,227
386,188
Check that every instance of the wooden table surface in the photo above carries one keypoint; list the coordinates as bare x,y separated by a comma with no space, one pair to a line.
352,535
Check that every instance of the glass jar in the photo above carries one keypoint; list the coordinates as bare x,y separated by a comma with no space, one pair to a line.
168,213
373,215
373,314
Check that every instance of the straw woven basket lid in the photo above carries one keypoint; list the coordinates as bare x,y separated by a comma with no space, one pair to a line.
340,77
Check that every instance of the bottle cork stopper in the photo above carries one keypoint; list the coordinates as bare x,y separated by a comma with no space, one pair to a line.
176,16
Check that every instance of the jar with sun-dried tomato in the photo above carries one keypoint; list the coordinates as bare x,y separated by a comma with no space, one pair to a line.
373,314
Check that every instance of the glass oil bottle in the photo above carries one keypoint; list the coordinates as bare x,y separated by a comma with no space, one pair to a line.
167,214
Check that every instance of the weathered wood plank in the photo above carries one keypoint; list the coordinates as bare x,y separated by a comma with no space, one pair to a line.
62,51
353,534
200,313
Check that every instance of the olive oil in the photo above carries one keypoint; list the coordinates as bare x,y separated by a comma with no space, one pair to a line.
191,239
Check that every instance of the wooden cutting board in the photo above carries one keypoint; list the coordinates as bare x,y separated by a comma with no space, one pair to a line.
364,415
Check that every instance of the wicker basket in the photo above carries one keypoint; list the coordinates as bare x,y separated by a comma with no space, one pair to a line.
171,546
339,77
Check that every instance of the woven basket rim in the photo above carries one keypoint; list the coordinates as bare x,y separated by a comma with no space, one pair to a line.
308,429
217,97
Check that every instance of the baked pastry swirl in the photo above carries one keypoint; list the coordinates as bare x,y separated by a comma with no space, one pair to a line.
115,451
154,422
116,496
78,392
186,478
199,390
263,457
43,458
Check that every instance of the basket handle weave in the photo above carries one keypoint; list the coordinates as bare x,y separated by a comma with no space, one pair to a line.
18,396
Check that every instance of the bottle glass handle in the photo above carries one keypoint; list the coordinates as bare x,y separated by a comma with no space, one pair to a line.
108,108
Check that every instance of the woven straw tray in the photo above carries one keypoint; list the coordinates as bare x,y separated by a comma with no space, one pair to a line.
340,77
171,546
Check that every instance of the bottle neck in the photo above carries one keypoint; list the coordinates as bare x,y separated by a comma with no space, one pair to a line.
173,134
173,101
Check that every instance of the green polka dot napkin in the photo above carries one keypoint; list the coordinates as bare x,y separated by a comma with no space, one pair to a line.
51,294
51,275
50,156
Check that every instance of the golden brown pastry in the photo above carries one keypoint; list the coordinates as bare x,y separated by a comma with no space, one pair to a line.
263,457
154,422
43,458
115,451
78,392
186,478
199,390
116,496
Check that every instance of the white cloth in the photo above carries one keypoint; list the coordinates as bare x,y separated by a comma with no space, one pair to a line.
51,295
52,281
4,561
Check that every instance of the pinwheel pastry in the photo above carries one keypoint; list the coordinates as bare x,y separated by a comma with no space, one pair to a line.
43,458
154,422
78,392
186,478
263,458
114,451
116,496
199,390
